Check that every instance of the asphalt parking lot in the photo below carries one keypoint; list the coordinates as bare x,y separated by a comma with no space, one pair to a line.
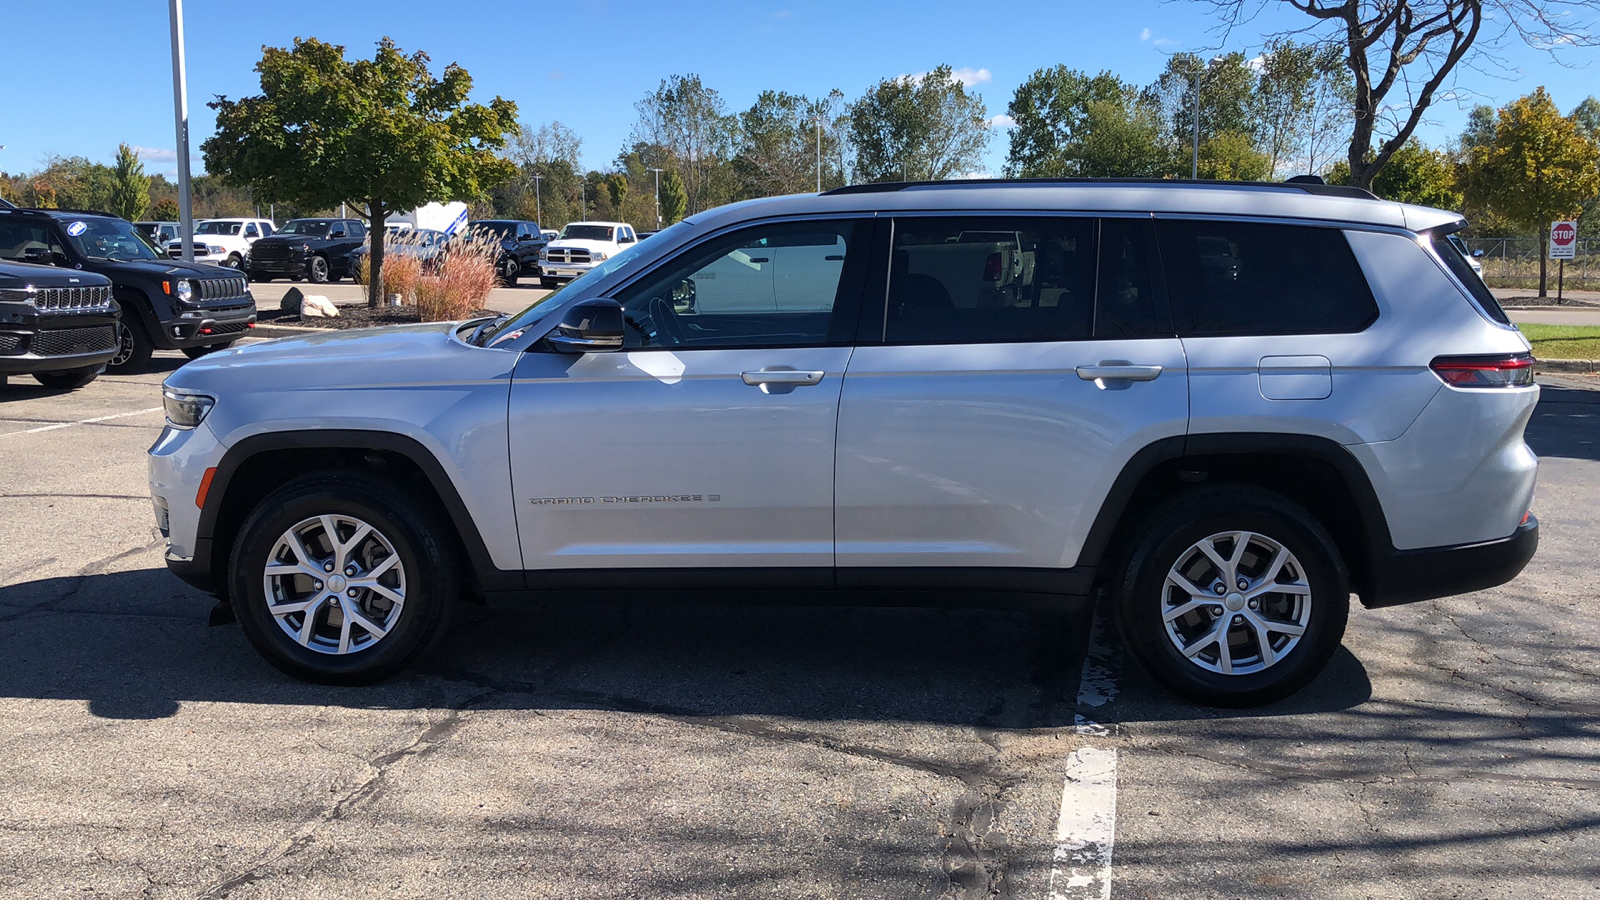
1451,750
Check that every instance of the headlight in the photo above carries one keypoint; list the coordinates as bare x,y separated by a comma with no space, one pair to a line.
597,255
184,291
185,410
544,254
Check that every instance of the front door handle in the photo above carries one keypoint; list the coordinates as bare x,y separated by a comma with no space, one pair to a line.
789,377
1118,370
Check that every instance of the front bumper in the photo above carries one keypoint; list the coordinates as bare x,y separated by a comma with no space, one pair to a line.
1408,576
178,462
292,266
57,343
564,271
199,327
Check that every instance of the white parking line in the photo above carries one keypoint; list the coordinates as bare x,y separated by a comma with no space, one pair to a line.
1080,868
137,412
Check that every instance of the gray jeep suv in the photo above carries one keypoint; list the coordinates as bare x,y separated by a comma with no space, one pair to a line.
1232,406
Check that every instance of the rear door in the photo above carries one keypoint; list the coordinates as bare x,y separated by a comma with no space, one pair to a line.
984,425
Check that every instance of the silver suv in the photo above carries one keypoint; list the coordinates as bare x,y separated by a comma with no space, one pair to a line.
1231,406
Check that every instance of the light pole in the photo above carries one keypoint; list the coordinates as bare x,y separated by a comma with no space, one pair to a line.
2,192
1196,81
658,197
180,114
817,121
583,200
538,204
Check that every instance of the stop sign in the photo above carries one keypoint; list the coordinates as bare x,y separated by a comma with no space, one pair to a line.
1563,240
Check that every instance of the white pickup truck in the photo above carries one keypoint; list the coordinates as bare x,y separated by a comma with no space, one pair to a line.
223,242
581,245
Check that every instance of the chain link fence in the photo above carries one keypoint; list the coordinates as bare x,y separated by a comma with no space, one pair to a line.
1514,263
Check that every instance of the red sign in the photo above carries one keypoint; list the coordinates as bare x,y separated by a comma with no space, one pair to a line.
1563,234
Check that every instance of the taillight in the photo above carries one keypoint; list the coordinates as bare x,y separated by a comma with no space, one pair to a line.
991,268
1509,370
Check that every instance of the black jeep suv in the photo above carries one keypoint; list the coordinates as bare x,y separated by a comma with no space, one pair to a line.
520,243
58,326
166,303
317,250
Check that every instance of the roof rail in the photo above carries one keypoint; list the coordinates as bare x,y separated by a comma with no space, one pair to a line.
78,212
6,204
1327,190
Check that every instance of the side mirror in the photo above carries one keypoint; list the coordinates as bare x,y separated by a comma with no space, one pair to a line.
625,240
39,255
524,238
1477,254
592,325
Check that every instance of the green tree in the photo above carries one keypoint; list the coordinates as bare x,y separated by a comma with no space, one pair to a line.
918,128
674,200
130,187
689,121
1540,167
1232,156
780,137
1069,123
165,210
1416,174
69,182
1301,103
383,133
1227,100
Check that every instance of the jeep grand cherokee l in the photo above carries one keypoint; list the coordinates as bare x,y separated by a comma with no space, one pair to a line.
1231,405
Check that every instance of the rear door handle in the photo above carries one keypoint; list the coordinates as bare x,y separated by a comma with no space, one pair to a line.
781,376
1118,370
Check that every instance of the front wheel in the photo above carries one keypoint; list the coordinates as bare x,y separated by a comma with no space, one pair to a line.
70,380
317,270
197,352
549,283
133,346
233,261
254,275
509,271
1233,596
339,579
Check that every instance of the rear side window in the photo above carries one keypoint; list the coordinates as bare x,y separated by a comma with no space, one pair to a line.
1253,278
1450,252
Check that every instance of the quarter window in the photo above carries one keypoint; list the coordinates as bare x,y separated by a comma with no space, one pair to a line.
1255,278
774,285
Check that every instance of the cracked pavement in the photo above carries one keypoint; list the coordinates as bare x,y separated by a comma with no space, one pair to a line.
1450,751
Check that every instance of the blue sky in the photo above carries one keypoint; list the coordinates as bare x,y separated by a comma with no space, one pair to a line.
585,62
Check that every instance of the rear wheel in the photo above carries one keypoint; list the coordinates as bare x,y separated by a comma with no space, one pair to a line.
1233,596
69,380
338,579
133,346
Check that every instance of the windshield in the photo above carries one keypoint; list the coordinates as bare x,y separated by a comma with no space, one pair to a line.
496,229
586,233
108,239
308,227
512,327
219,228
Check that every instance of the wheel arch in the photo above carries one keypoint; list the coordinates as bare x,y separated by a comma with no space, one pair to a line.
256,465
1316,473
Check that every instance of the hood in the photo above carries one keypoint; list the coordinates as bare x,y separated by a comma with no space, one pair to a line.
16,274
356,357
165,268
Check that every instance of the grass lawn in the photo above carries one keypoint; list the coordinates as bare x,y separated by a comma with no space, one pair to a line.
1563,341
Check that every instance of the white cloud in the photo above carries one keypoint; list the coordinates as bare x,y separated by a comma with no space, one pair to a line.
1002,121
969,176
155,154
968,76
782,14
1144,35
1163,42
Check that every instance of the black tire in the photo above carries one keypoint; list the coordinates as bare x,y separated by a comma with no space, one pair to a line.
133,345
233,262
261,277
197,352
510,270
549,283
317,270
1171,535
419,537
69,380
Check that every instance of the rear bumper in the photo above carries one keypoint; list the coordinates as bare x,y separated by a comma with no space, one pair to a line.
1408,576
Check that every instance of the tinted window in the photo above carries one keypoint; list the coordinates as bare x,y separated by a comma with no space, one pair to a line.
1252,278
1451,252
18,238
774,285
964,281
1125,301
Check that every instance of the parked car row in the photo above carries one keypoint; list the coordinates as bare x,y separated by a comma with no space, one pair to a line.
84,292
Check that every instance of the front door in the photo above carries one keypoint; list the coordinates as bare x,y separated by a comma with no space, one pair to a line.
1021,366
705,443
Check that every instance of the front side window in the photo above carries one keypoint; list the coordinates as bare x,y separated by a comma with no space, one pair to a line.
773,285
1257,278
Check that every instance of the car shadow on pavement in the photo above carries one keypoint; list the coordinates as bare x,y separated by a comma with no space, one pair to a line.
136,645
1566,423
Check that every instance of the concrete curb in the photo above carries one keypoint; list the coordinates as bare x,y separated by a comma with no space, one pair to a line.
1574,366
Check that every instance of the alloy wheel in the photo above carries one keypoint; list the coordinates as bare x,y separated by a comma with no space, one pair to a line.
1236,603
334,584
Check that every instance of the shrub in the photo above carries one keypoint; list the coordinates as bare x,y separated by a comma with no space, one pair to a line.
461,283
